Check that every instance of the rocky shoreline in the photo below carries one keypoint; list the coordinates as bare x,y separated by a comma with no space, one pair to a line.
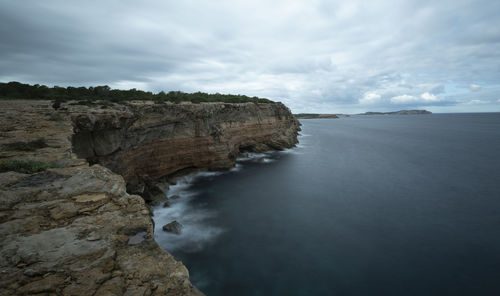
73,229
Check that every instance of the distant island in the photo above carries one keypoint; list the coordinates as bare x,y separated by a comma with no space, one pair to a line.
314,115
401,112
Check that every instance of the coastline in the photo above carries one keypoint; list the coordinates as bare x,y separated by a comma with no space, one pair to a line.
102,235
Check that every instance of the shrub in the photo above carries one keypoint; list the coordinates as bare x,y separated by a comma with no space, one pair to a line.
25,166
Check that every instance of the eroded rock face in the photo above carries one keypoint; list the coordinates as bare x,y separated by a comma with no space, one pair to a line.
153,141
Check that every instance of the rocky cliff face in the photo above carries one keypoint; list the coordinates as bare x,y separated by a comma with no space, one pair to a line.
74,230
153,141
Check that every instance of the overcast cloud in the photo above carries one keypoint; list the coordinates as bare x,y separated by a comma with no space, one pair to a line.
315,56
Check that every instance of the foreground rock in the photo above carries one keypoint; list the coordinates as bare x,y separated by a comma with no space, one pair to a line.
173,227
71,237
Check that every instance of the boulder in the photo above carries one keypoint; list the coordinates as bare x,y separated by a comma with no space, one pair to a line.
173,227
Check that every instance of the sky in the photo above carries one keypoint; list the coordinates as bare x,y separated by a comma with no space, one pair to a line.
315,56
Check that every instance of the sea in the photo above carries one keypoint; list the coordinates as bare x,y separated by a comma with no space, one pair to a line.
364,205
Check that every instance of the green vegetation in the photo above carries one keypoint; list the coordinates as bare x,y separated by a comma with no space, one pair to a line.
89,96
25,146
25,166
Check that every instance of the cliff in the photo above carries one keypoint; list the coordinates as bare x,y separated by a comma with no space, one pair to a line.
144,141
73,229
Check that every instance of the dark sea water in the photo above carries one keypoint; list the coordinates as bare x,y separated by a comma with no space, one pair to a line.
366,205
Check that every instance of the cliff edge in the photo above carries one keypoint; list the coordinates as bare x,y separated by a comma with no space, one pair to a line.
72,228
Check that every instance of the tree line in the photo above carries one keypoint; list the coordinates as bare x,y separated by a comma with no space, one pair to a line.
16,90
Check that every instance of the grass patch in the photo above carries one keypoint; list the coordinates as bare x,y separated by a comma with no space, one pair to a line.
25,146
25,166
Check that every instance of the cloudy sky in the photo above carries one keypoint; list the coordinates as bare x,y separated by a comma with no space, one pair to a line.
313,55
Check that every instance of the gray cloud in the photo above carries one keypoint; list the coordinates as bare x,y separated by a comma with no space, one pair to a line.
315,56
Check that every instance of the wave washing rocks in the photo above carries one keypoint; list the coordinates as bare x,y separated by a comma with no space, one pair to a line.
73,229
197,230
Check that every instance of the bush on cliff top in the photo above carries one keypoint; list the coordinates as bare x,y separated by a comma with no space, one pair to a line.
25,166
17,90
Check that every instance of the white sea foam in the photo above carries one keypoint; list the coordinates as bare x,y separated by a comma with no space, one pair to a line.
266,160
236,168
265,157
196,231
208,174
295,150
251,156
